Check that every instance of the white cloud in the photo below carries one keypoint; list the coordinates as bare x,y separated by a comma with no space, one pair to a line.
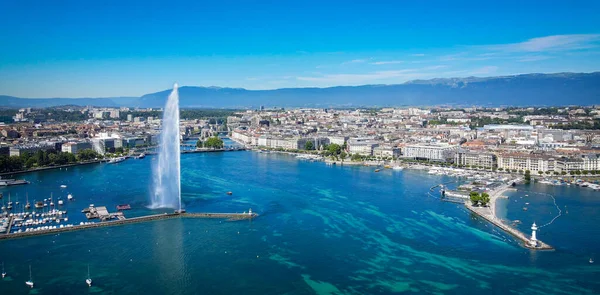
549,43
534,58
354,61
484,70
387,62
418,54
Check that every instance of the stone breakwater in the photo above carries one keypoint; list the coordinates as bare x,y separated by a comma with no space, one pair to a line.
489,214
228,216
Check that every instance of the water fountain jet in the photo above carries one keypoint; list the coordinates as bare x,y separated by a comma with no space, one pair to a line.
167,172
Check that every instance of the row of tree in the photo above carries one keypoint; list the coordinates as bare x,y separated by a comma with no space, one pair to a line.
478,199
44,158
210,143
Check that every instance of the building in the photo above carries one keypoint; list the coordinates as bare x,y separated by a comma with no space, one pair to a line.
129,117
75,147
386,151
526,161
104,143
340,140
361,146
431,152
114,114
466,157
582,162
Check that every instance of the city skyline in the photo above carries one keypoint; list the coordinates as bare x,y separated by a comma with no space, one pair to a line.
92,49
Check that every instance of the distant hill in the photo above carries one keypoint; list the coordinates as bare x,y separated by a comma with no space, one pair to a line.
518,90
16,102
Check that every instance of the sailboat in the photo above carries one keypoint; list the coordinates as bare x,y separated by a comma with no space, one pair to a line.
9,207
27,205
591,260
30,282
3,272
88,281
51,203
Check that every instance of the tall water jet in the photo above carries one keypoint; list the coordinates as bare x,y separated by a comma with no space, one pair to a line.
167,173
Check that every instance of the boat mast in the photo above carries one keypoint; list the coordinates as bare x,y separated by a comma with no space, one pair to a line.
30,273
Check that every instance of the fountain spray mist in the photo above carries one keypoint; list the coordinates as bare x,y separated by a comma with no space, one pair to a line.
167,172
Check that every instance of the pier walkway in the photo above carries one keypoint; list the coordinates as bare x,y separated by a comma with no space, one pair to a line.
489,214
228,216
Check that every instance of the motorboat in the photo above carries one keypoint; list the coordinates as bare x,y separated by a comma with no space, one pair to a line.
399,168
63,186
30,282
60,202
3,272
88,281
69,197
116,160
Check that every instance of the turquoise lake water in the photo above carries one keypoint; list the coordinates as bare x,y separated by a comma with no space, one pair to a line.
322,230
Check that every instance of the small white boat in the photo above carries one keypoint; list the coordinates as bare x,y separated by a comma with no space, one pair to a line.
30,282
116,160
399,168
3,272
63,186
70,197
60,202
591,261
88,281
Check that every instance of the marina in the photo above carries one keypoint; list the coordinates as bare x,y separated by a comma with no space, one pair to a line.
122,221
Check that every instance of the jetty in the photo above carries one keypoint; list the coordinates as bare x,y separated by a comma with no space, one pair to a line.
229,216
489,214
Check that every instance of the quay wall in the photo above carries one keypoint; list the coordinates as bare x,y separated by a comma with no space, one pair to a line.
229,216
514,232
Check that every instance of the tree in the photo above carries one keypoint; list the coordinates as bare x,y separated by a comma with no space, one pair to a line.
30,163
86,155
540,172
199,143
475,198
484,199
527,176
356,157
309,145
214,143
334,149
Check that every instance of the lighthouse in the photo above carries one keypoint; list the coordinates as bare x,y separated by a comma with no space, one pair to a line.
533,241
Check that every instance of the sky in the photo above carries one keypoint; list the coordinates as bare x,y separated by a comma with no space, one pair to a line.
129,48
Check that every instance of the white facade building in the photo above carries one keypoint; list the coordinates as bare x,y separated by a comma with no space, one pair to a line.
431,152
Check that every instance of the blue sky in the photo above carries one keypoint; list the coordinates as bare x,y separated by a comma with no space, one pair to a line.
109,48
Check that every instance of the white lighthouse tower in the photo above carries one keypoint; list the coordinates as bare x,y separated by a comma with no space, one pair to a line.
533,241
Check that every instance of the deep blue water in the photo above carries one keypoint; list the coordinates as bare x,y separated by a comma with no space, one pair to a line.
322,229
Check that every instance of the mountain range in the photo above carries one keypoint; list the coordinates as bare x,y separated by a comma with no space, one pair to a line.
517,90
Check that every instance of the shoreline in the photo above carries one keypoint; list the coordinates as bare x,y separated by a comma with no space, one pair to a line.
50,168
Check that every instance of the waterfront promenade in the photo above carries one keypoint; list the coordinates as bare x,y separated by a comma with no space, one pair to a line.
489,214
228,216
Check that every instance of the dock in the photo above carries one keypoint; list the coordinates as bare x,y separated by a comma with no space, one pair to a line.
123,221
488,213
